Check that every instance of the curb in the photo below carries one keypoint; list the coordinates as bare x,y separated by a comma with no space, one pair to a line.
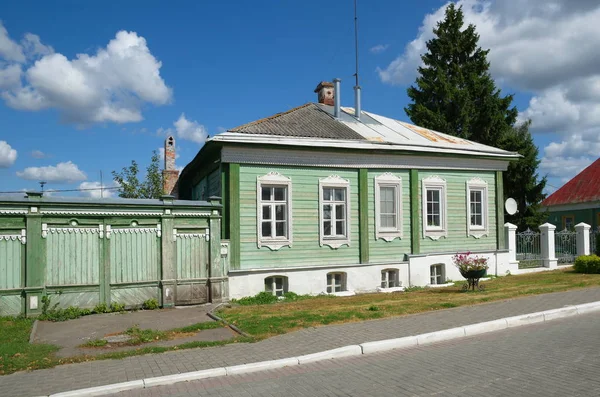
345,351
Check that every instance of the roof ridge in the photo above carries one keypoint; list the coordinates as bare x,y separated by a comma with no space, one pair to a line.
272,117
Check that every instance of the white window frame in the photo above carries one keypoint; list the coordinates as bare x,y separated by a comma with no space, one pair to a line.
332,285
385,278
274,290
442,275
334,181
388,180
478,231
273,179
434,183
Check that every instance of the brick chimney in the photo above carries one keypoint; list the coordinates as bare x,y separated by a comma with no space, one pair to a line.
170,173
326,93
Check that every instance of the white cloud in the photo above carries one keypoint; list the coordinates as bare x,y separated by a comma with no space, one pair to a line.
38,154
547,48
111,85
186,129
98,190
379,48
61,173
8,155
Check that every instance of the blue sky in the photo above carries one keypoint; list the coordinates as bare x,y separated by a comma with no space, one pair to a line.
73,102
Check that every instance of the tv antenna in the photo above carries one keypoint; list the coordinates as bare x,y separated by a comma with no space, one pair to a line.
356,41
42,183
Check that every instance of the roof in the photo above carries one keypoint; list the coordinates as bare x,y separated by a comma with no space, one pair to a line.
23,199
583,188
314,123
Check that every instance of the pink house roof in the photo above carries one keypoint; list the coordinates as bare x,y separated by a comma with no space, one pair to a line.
583,188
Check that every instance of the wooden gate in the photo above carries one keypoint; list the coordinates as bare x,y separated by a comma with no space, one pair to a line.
192,251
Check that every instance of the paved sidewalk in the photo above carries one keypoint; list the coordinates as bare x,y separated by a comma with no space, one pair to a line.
306,341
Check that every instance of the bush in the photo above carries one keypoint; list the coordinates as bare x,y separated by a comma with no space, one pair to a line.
597,249
117,307
101,308
589,264
262,298
150,304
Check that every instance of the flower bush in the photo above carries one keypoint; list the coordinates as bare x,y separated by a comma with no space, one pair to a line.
465,262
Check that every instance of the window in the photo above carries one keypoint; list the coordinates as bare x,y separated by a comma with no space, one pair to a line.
434,208
388,207
477,208
389,278
334,211
274,211
437,274
336,282
276,285
568,222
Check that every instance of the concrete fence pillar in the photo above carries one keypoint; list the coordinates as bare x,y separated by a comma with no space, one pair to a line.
547,243
512,266
583,238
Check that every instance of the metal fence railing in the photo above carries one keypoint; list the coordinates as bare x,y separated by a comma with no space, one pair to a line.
594,233
565,245
529,250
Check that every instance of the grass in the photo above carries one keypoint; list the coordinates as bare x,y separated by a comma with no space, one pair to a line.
263,321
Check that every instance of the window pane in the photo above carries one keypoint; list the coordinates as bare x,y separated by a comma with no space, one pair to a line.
340,194
340,228
327,211
266,229
327,228
266,212
280,229
339,211
329,278
269,284
327,194
279,282
329,289
279,193
266,193
280,212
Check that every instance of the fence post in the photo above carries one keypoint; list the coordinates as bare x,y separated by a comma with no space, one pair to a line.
548,249
168,259
511,241
583,238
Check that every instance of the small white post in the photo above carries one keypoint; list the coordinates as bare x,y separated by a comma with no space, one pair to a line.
548,249
583,238
512,266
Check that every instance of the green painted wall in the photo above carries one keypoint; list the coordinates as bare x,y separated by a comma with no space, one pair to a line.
10,305
134,257
11,260
379,249
305,248
589,216
192,257
73,258
457,239
208,186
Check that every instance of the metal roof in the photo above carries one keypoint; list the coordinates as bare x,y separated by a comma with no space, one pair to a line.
370,131
22,198
583,188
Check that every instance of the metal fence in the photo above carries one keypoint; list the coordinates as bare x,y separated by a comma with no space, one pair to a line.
594,233
565,245
529,249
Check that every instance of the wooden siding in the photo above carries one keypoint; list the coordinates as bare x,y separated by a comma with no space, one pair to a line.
379,249
73,258
457,239
10,305
192,257
134,257
305,249
214,183
10,264
591,216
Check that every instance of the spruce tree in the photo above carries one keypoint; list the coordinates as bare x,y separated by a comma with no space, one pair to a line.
455,94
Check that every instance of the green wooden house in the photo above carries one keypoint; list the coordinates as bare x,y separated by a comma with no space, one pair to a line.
328,199
576,201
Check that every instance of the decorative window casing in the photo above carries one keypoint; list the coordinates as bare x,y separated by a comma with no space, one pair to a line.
390,278
388,207
434,208
274,211
437,274
334,211
276,285
336,282
477,208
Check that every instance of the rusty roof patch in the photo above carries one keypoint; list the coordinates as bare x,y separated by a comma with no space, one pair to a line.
432,135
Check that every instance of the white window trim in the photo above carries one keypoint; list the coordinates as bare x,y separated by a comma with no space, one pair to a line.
343,282
284,284
442,275
396,278
388,180
481,185
334,242
273,179
434,232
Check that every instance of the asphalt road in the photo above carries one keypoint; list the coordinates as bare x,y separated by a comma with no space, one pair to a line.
559,358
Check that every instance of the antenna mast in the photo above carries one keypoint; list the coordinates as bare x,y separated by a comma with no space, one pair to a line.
356,40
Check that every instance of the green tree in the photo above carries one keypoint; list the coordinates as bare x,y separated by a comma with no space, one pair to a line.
455,94
132,187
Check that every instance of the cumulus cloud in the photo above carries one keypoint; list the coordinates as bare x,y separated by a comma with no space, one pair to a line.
66,172
38,154
186,129
8,155
379,48
547,48
111,85
98,190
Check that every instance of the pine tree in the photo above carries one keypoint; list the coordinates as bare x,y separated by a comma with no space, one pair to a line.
455,94
132,187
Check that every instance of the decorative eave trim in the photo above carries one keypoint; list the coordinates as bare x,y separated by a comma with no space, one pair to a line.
13,212
133,230
72,230
194,214
14,237
102,213
205,235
